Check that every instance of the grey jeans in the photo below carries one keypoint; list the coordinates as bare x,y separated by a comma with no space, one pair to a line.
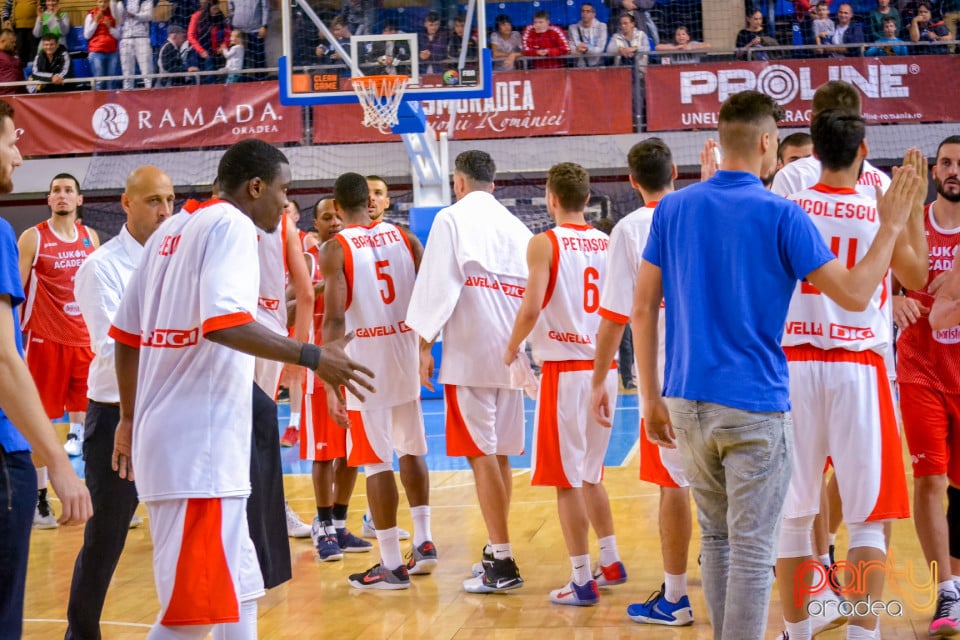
738,464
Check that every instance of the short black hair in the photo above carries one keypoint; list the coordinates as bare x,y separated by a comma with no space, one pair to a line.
651,164
887,19
376,178
295,206
351,191
49,36
836,94
798,139
837,135
6,110
571,184
246,160
543,13
955,139
632,17
750,107
59,176
502,19
476,165
432,16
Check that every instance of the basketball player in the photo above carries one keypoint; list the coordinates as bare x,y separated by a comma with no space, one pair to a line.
795,146
838,378
567,268
362,259
322,441
57,343
379,198
23,423
929,378
185,336
471,283
652,173
725,376
101,280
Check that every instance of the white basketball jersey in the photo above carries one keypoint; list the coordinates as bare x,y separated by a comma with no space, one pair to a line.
379,269
568,323
848,222
271,305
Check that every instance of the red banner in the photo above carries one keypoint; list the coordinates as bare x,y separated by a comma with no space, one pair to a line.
171,118
545,102
907,89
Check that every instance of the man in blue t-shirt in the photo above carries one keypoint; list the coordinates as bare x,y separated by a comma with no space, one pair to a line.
724,256
23,422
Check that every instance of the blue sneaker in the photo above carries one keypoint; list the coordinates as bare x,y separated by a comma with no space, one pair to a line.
350,543
576,594
658,610
325,541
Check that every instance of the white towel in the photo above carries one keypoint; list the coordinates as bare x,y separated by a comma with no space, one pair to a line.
476,229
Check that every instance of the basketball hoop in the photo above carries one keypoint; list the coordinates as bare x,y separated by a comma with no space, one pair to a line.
380,97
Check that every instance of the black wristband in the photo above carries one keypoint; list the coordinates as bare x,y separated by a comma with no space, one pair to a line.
309,356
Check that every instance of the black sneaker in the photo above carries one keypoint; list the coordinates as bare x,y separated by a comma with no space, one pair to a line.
500,575
379,577
423,559
946,619
43,516
486,560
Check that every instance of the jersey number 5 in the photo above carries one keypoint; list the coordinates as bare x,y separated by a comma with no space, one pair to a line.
390,293
850,259
591,293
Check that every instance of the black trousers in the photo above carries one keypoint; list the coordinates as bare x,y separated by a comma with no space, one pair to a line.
266,514
114,502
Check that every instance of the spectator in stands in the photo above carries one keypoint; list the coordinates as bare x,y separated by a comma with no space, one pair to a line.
101,31
543,40
823,27
177,56
629,44
233,55
505,44
640,10
329,55
251,17
456,42
752,37
360,16
51,66
923,28
951,17
11,70
588,38
134,17
883,10
52,20
182,11
20,15
888,44
847,32
207,34
682,43
432,43
388,53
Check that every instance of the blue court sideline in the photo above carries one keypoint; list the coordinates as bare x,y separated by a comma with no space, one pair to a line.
622,439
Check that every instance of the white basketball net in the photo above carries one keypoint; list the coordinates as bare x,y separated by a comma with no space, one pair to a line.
380,97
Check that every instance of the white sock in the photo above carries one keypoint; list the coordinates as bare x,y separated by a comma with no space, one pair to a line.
245,629
798,630
833,539
859,633
948,586
581,569
77,428
674,586
608,551
421,524
339,524
825,559
294,419
389,540
501,551
41,478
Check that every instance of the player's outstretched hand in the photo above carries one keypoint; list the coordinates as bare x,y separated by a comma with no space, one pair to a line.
894,206
74,496
122,445
914,158
338,370
656,421
709,159
600,405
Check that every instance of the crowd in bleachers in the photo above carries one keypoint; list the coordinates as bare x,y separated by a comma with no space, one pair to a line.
206,41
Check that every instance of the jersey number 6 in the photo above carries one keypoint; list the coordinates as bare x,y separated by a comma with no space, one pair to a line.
591,293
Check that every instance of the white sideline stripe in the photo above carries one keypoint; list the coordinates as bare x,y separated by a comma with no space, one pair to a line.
114,623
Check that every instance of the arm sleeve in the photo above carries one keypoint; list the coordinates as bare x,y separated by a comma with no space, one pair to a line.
10,283
192,34
126,327
439,280
145,13
623,263
802,248
97,289
89,26
651,251
561,46
228,285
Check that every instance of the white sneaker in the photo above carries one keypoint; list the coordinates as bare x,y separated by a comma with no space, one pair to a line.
135,521
369,531
74,444
825,615
43,516
296,528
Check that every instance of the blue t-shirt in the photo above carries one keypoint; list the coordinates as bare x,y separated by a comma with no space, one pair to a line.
10,439
730,253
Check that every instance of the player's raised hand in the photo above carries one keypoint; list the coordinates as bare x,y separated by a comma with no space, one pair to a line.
709,159
894,206
338,370
914,158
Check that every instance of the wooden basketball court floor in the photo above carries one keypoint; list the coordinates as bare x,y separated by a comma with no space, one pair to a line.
319,603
